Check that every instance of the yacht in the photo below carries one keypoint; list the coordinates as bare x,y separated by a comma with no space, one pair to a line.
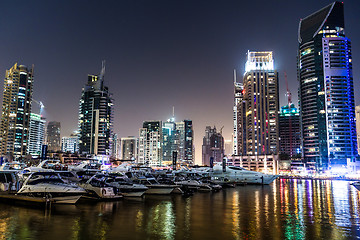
235,175
98,189
50,185
126,186
154,186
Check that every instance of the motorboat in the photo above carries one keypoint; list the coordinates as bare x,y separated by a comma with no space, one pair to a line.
97,189
234,175
154,186
50,185
126,186
356,185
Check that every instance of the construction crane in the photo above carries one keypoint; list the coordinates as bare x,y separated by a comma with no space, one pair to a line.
288,93
41,105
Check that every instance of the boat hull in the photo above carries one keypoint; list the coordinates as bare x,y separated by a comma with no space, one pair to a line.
159,190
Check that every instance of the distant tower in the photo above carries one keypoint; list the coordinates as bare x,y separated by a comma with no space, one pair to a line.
53,136
16,109
36,134
170,140
238,117
95,116
290,139
213,146
129,148
326,90
186,139
150,143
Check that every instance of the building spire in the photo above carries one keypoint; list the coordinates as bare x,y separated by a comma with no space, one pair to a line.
102,73
234,75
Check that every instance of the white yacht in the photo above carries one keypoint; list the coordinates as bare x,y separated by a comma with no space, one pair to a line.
98,189
235,175
126,186
50,185
154,186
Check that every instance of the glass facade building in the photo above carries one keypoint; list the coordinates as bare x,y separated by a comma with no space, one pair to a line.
326,90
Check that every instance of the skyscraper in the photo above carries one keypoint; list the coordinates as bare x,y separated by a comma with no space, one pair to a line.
357,113
186,139
53,136
326,89
150,144
238,117
16,109
170,140
289,131
256,122
36,134
213,146
95,116
260,134
129,148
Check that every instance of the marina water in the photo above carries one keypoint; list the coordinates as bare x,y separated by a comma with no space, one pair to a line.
285,209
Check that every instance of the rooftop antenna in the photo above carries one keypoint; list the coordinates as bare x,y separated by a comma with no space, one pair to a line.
234,75
102,73
173,112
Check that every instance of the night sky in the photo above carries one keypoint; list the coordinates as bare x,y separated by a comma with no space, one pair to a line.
159,54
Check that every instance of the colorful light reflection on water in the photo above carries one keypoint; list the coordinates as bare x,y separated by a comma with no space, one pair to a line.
287,209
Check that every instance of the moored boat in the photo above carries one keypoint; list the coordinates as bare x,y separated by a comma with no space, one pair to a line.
49,185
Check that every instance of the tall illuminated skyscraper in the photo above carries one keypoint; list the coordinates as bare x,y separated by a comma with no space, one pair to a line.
260,135
326,90
95,116
16,109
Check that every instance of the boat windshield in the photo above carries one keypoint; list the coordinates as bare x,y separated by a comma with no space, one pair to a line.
237,168
37,179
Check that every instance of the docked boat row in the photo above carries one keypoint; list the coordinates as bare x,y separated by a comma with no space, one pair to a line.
50,181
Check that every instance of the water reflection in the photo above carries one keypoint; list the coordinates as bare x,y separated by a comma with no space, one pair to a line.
287,209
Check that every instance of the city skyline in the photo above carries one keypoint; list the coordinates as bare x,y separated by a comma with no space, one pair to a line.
190,47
